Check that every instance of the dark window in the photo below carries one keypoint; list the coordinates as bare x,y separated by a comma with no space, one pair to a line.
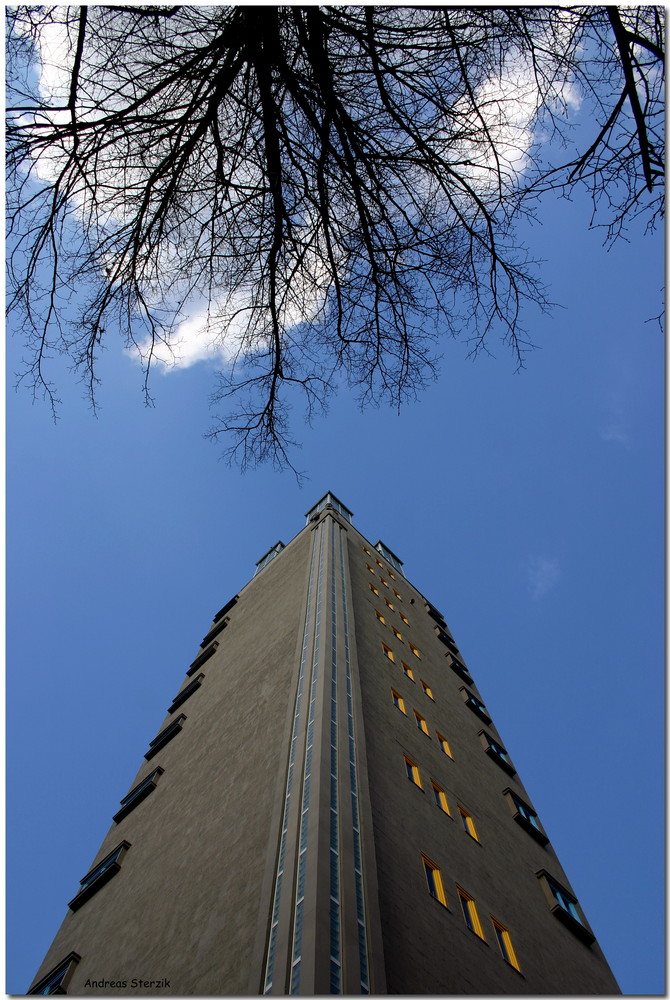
137,794
215,630
459,668
564,906
202,658
436,615
56,981
525,816
99,876
477,706
186,693
225,609
497,753
164,737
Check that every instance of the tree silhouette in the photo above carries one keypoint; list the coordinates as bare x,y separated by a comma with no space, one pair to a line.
329,185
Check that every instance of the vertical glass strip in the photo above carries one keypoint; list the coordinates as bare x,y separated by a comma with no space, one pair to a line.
307,777
272,947
334,857
353,774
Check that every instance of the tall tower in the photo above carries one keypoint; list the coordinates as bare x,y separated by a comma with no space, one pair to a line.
327,808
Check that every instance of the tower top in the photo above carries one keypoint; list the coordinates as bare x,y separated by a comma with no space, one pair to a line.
329,500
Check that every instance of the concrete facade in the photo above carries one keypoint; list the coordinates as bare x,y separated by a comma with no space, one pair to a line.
327,808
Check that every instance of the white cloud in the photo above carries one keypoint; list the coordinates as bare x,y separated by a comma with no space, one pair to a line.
543,575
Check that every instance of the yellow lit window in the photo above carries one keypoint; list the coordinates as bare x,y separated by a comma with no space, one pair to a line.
380,617
406,620
421,723
381,565
367,551
382,580
373,589
397,595
440,798
434,880
414,650
505,944
468,823
391,574
388,652
398,701
407,670
470,914
444,745
370,568
427,690
412,771
388,603
396,632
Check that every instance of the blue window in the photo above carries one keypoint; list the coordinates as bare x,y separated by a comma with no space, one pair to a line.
165,735
564,900
137,794
269,556
99,876
55,982
329,500
496,752
390,557
477,706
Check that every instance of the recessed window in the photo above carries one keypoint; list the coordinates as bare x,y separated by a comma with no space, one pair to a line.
505,944
186,693
444,745
391,575
383,581
459,668
396,632
468,823
398,701
380,617
525,816
165,736
421,723
370,568
564,906
434,880
56,981
388,603
380,564
477,706
373,589
137,794
496,752
407,670
427,689
397,595
99,875
406,620
412,771
202,658
388,652
470,915
440,798
367,551
414,650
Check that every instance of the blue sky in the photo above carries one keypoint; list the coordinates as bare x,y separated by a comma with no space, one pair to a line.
527,506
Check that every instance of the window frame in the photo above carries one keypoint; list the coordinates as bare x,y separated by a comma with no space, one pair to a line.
489,745
396,633
468,823
414,649
518,807
504,939
59,976
412,771
380,617
185,693
137,794
437,884
440,797
553,890
419,720
165,736
445,746
427,690
99,875
475,705
470,913
398,701
388,652
407,671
